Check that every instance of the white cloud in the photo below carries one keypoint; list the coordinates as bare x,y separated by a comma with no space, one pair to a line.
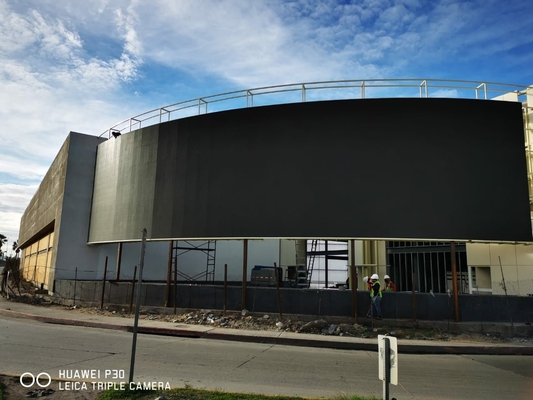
13,201
64,64
52,84
447,93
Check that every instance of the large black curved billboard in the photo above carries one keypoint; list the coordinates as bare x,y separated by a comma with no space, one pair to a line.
368,168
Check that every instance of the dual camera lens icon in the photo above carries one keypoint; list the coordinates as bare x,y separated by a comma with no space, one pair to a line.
42,380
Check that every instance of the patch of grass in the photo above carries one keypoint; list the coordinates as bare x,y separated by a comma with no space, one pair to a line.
127,394
345,397
2,390
189,393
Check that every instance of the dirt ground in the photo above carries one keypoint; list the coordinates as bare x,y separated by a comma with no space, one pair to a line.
15,391
271,322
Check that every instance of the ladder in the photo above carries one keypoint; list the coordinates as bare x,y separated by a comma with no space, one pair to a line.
311,261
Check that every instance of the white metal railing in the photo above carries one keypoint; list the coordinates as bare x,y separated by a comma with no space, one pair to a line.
314,91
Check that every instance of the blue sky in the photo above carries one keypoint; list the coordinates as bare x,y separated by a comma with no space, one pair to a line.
69,65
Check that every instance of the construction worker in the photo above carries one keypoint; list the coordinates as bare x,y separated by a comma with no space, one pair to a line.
389,285
375,296
368,284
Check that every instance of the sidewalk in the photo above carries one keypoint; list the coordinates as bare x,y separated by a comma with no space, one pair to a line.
54,315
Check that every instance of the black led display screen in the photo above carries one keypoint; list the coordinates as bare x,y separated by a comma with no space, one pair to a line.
367,168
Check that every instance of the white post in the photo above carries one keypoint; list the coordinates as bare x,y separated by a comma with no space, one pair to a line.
470,284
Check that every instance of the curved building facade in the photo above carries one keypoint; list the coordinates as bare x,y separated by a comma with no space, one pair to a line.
420,169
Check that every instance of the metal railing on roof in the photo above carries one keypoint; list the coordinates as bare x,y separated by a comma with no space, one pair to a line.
314,91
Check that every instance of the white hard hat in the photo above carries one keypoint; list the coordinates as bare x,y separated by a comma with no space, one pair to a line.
386,277
365,279
375,276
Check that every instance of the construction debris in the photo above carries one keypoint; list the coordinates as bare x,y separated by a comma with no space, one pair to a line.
264,322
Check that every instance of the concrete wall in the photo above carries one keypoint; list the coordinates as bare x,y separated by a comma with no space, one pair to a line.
45,204
62,205
306,302
370,258
516,266
72,228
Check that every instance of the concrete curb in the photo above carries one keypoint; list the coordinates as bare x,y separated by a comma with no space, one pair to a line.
62,321
309,341
305,340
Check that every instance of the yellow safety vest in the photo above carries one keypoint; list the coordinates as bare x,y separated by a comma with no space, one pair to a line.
372,291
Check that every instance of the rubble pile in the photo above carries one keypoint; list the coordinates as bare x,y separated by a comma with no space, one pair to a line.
271,322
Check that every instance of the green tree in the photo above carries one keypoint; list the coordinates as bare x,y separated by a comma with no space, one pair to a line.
15,248
3,240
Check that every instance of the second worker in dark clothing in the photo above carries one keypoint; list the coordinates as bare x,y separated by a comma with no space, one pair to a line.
375,296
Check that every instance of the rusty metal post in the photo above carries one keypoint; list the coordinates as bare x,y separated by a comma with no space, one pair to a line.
353,280
133,288
225,286
175,283
75,282
7,283
103,285
326,264
277,291
119,261
413,301
244,272
454,283
169,272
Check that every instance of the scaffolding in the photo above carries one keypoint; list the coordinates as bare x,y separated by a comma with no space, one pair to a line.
179,248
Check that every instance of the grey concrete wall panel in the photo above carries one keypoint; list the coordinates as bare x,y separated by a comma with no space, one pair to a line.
124,184
403,307
307,302
422,307
155,261
72,251
183,296
376,168
440,307
45,203
234,300
496,308
64,199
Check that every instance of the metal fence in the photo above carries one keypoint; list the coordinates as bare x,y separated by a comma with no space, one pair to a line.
316,91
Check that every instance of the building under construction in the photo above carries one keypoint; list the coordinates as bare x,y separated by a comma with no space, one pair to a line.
390,178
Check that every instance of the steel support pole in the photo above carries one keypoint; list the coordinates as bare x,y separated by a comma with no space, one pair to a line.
175,283
454,282
119,261
326,266
103,285
75,282
413,284
137,306
353,280
225,286
133,288
244,272
278,295
169,272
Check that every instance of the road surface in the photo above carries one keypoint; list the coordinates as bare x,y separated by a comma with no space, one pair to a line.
29,346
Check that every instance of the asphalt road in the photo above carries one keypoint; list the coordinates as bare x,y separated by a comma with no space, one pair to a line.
28,346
